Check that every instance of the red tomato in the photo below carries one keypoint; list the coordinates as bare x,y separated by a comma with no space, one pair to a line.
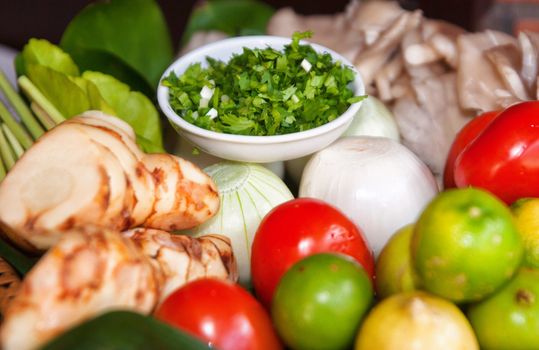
466,135
220,313
504,158
296,229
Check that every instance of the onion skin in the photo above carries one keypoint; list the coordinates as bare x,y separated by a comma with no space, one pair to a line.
247,192
416,321
377,182
372,119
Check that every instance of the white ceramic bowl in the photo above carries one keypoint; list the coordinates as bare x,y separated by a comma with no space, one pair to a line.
260,149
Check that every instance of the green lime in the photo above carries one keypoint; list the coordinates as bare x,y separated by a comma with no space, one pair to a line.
466,245
394,269
509,319
526,212
320,302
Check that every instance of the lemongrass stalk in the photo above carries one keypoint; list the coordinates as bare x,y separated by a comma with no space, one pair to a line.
22,135
2,170
36,96
43,117
20,107
15,145
5,151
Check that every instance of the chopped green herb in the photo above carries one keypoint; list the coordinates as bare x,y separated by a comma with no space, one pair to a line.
264,91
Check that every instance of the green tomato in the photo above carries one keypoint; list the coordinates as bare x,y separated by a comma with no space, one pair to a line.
320,302
509,319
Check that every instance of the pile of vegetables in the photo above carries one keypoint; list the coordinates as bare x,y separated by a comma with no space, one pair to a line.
71,194
247,192
95,67
89,171
377,258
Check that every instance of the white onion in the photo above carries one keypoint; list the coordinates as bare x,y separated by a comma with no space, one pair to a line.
377,182
247,193
372,119
184,149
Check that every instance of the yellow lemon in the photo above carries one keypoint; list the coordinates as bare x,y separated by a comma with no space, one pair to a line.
526,212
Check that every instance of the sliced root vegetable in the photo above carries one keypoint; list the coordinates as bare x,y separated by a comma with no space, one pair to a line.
110,125
117,122
114,217
87,273
140,179
166,173
184,258
57,184
185,195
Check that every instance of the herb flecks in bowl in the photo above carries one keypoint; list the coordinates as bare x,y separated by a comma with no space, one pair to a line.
263,91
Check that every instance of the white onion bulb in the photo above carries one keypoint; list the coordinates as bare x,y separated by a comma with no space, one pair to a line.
372,119
377,182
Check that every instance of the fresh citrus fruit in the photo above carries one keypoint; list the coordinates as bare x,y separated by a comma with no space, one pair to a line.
416,321
526,212
466,245
394,270
509,319
320,302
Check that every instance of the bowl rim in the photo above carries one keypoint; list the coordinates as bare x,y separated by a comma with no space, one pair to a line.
269,40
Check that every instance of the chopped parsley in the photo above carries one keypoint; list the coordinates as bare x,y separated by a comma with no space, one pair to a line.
264,91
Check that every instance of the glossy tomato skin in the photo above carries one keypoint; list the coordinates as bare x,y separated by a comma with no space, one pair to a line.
465,136
297,229
504,158
220,313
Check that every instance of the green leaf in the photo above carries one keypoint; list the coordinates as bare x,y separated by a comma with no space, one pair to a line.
134,31
40,103
59,89
69,94
131,106
17,259
149,147
234,17
108,63
42,52
124,330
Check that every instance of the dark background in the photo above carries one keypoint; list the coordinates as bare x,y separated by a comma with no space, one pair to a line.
23,19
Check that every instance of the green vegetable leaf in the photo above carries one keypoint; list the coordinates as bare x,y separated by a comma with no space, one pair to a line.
108,63
17,259
134,31
124,330
297,36
131,106
59,89
41,52
70,94
233,17
148,146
